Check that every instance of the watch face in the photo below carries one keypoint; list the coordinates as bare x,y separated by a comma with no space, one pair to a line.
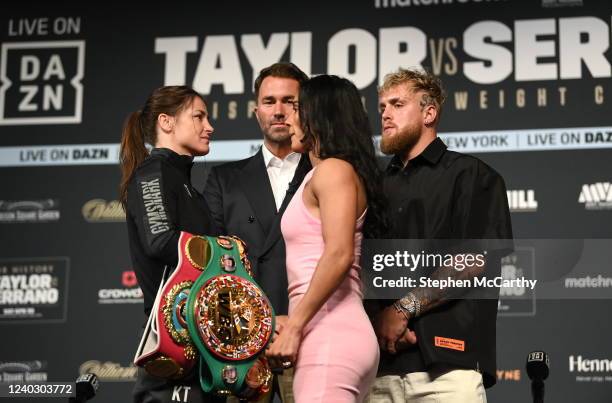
407,305
234,317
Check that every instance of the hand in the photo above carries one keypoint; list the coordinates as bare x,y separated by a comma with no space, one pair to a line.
281,322
407,340
284,349
390,325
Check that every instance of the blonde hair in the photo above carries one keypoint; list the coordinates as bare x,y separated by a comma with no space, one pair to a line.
417,81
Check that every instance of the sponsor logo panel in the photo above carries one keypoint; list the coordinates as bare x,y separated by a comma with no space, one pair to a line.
102,211
128,293
428,3
33,289
561,3
596,196
508,375
109,371
597,281
518,300
23,371
522,201
70,154
29,211
590,369
229,150
41,82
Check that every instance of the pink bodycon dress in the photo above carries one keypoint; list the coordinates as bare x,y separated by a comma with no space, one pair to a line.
338,356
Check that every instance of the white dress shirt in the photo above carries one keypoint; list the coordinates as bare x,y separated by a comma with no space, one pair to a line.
280,172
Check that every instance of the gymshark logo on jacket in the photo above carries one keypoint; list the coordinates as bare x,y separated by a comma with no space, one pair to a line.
522,200
597,196
154,206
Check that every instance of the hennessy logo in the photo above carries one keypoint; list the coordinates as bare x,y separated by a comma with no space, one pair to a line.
579,364
99,210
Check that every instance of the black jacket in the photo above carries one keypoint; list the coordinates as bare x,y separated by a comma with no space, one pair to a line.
242,203
443,194
162,202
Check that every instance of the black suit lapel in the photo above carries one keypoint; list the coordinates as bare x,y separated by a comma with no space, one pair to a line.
256,186
302,169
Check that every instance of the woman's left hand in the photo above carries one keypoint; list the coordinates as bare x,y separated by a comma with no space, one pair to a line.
283,352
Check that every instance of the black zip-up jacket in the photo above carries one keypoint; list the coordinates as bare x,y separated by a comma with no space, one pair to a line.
162,202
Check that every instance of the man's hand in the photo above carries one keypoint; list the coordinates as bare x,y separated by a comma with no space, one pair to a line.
390,325
407,340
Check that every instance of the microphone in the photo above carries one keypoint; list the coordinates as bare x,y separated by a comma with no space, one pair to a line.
537,369
86,387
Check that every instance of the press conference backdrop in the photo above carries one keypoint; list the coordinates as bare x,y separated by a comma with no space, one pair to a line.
529,92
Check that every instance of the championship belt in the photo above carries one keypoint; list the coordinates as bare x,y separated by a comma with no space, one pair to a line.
230,321
211,304
166,350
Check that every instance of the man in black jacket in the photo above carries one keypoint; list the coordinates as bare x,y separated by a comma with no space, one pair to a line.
437,344
247,198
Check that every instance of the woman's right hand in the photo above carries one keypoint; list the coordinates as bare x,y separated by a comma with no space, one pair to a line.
281,322
283,351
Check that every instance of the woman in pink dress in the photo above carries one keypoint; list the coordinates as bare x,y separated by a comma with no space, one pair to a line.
328,336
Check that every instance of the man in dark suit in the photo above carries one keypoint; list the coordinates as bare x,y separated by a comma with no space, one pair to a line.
247,198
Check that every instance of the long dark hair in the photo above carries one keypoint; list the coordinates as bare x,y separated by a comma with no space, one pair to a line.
139,128
334,120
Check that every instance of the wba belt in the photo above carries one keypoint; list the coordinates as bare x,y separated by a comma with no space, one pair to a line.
210,304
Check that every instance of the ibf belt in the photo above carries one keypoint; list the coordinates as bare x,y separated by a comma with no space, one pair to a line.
166,350
211,305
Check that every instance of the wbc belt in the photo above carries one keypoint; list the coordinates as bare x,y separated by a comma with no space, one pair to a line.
210,304
230,321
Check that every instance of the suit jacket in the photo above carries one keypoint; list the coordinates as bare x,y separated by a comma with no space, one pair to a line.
241,202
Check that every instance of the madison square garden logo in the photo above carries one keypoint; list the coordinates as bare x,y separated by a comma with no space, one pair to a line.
41,82
23,371
29,211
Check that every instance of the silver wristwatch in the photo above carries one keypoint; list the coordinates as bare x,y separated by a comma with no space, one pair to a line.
410,304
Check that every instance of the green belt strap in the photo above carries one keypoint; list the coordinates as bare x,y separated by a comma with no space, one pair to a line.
226,307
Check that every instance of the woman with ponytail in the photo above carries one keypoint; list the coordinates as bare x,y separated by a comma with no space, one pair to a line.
160,201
